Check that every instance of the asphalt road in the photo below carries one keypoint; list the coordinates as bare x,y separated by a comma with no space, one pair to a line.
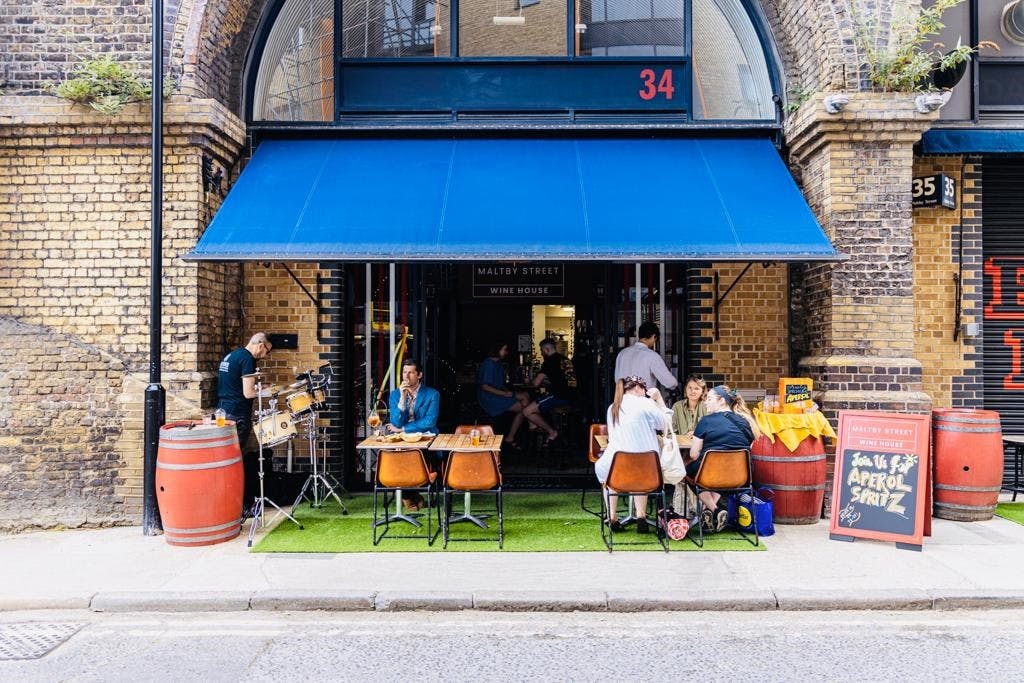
480,646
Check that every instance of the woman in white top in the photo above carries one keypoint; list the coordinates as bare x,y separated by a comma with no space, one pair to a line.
633,422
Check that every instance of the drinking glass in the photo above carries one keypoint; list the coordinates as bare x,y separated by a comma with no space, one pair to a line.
373,421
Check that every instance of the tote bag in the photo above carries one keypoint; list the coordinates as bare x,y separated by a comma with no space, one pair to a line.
673,470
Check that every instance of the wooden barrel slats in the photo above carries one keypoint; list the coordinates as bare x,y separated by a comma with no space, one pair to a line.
797,477
199,483
967,449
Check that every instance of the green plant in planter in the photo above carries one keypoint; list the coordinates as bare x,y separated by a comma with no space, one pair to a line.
107,85
901,57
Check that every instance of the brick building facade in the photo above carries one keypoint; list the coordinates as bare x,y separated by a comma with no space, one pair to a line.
873,331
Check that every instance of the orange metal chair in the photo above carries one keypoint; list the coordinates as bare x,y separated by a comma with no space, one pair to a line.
634,474
403,470
593,453
472,472
722,472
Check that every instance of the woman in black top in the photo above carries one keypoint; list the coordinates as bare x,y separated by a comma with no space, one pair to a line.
729,425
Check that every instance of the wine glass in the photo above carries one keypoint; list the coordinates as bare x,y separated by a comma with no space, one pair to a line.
373,420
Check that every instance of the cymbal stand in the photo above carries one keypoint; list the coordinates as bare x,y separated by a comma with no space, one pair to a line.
259,507
316,483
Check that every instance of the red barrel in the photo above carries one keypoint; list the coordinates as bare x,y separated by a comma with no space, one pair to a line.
199,483
797,477
967,448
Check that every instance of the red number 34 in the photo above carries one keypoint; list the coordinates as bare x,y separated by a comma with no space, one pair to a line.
664,84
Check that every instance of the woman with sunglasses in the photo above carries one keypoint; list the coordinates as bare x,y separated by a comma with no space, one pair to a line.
729,425
633,420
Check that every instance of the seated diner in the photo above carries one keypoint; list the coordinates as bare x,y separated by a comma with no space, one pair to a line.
633,420
729,425
496,398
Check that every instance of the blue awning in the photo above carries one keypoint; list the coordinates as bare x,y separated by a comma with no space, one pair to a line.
515,199
964,140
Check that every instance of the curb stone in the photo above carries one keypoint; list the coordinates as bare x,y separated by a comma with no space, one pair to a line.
903,599
170,601
540,601
280,600
977,598
398,601
717,600
23,603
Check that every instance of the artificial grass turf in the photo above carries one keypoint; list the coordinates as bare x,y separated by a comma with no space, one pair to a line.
544,522
1011,511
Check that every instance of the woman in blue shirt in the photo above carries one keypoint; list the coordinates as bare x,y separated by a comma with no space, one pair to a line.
496,399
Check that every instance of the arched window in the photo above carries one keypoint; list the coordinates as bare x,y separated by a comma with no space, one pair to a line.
295,81
730,73
516,58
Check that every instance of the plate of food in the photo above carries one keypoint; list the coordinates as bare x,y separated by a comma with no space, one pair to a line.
411,437
392,438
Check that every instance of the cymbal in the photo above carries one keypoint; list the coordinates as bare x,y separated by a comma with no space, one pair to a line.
296,385
253,374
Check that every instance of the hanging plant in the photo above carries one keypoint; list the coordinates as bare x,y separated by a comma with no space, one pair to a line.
107,85
902,57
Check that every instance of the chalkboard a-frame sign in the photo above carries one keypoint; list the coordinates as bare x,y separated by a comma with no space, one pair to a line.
881,480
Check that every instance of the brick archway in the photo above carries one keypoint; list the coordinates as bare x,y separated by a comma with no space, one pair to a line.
210,40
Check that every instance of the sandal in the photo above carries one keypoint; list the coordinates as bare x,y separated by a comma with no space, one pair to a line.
551,439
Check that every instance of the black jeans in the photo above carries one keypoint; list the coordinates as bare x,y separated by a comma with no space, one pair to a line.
250,459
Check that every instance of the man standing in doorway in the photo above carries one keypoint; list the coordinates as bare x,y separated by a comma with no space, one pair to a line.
236,389
641,360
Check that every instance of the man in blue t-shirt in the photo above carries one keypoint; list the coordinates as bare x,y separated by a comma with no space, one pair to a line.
236,389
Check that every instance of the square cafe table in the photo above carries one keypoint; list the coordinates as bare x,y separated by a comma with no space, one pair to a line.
375,443
463,442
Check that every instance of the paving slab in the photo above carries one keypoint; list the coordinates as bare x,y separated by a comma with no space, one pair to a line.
963,566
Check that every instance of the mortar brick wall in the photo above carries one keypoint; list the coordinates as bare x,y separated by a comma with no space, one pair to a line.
59,426
74,243
752,349
41,41
856,170
951,369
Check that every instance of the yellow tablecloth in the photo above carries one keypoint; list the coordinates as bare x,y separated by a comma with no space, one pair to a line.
794,427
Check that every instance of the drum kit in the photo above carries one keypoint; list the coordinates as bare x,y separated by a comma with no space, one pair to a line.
303,399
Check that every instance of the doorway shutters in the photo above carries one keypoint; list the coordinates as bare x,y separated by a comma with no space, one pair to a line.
1003,249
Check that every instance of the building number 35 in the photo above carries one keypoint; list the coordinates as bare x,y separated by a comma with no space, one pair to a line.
653,85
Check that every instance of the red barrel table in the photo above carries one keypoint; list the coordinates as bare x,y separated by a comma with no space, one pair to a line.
199,483
797,477
967,449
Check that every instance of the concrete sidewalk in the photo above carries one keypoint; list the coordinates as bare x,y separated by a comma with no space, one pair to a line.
963,565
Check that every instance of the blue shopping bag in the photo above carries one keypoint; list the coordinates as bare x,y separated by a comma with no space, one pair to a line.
744,512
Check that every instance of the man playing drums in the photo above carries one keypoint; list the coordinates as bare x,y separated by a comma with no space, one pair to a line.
236,389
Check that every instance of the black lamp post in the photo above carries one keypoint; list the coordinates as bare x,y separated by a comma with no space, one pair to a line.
155,397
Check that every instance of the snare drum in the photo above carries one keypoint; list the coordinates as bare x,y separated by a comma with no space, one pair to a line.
302,402
274,429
